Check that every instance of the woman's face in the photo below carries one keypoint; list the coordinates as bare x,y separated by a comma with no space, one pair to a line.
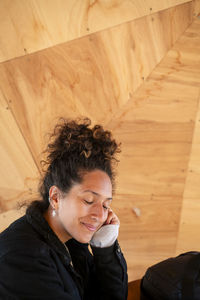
84,209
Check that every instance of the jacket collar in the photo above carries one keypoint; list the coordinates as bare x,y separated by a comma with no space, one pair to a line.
38,222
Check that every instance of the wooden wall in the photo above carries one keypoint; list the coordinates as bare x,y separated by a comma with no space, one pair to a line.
136,72
159,170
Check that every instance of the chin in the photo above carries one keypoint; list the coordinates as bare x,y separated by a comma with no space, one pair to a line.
83,240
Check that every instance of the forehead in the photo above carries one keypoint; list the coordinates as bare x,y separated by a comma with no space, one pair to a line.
98,182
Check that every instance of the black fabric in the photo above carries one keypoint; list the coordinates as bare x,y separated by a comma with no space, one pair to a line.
35,264
175,278
191,278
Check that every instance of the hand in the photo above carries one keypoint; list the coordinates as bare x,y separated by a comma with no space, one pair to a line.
112,218
108,233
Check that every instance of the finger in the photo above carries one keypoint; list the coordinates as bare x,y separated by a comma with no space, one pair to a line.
112,218
109,217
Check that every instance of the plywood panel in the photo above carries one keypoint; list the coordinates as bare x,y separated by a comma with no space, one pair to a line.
18,172
156,138
189,223
196,4
28,26
145,238
104,68
156,130
6,218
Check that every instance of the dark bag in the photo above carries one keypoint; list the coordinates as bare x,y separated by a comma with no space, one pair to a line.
175,278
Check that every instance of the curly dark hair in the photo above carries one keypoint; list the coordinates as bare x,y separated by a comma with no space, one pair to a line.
73,150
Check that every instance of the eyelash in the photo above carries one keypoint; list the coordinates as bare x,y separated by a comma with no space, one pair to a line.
88,202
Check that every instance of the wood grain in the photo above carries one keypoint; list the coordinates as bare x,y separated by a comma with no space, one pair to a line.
196,5
18,173
93,76
156,130
6,218
150,237
189,222
28,26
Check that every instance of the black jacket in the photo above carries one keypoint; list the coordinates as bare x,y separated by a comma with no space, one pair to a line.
35,264
174,278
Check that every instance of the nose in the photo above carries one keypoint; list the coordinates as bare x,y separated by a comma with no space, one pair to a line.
98,213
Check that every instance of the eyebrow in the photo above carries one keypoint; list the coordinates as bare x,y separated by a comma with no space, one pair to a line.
96,194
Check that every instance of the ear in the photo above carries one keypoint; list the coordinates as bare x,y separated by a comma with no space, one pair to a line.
54,196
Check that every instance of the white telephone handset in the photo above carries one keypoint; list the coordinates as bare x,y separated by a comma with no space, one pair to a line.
108,233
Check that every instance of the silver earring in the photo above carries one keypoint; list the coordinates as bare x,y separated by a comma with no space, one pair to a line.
53,209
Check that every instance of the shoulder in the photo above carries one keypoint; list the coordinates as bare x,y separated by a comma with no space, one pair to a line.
20,237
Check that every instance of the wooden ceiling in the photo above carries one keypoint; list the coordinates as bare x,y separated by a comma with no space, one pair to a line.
28,26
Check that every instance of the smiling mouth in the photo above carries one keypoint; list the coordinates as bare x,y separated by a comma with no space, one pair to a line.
90,227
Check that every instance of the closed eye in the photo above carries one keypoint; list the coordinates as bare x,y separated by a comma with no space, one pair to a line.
88,202
105,207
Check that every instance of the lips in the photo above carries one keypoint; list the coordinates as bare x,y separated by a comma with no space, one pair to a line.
90,227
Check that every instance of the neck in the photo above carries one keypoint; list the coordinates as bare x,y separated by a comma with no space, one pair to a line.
56,225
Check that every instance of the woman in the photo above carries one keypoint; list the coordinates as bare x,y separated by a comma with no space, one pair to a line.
45,254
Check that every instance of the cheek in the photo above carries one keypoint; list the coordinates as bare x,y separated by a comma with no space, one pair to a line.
79,210
105,216
67,211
